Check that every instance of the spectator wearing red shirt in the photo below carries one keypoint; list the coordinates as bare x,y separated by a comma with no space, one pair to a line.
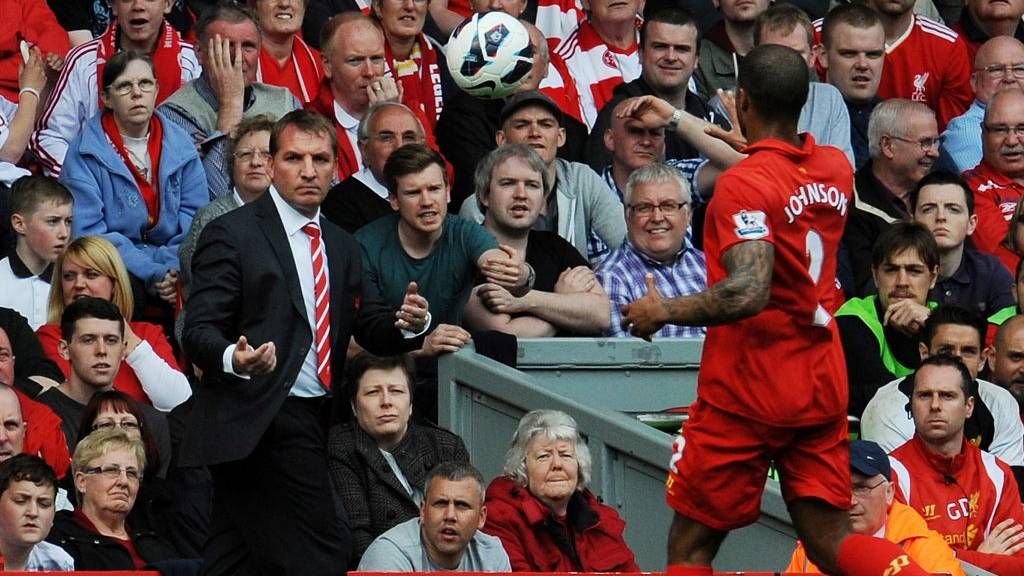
33,22
285,58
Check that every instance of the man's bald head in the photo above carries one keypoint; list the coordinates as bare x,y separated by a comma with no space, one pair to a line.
12,425
994,64
1007,362
6,359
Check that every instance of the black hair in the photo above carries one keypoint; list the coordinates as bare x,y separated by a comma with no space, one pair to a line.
88,308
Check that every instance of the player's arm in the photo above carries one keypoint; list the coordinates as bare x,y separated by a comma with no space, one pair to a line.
742,294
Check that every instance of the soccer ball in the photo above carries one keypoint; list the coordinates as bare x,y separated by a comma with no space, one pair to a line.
490,55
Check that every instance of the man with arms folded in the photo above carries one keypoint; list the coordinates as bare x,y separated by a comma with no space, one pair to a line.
446,536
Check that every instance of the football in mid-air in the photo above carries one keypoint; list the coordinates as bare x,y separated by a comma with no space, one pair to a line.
489,55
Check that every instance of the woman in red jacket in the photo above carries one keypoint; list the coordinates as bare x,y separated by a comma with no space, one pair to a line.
541,509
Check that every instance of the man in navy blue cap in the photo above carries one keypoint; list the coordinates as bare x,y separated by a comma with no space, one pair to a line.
874,512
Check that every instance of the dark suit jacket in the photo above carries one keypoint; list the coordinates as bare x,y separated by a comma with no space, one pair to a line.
245,282
370,492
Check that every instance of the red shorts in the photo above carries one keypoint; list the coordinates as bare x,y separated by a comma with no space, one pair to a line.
718,478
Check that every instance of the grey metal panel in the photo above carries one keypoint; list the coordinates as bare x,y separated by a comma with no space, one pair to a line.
482,400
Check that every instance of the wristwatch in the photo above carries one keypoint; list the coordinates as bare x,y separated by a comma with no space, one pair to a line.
677,115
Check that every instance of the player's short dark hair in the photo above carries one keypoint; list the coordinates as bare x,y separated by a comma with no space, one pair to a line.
29,193
674,15
967,384
304,121
411,159
953,314
849,13
88,308
941,178
117,64
900,236
783,18
223,11
777,80
364,362
453,472
26,468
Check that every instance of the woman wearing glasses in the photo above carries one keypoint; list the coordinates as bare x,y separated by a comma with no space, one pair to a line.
108,468
136,178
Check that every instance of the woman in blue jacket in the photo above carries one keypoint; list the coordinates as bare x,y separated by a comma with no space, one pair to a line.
136,177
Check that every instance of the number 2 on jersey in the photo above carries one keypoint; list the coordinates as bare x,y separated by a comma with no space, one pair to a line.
815,250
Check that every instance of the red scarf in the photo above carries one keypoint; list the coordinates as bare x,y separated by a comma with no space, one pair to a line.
150,191
422,90
303,77
166,64
348,164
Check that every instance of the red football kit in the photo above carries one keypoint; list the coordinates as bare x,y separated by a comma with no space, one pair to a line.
301,74
772,387
929,64
995,199
962,498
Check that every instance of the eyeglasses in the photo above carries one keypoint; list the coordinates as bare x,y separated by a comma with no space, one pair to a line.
925,143
1002,130
401,139
126,425
646,208
146,85
114,471
1000,71
247,154
861,491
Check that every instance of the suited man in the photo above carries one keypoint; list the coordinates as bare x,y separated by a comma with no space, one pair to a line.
252,317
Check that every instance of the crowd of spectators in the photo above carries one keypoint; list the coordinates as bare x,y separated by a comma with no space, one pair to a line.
207,207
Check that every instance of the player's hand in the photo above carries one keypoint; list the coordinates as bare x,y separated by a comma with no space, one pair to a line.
507,269
32,74
734,138
575,280
253,361
643,317
1006,539
226,74
498,300
906,316
445,338
384,89
412,316
652,112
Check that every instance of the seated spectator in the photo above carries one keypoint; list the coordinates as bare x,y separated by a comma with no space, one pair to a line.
655,253
725,44
87,19
249,151
411,59
91,267
903,141
997,180
996,67
566,296
994,425
879,333
93,367
541,501
875,512
1011,249
32,22
28,494
446,535
210,107
108,467
982,20
41,434
17,118
379,461
629,146
41,219
578,206
363,197
109,409
79,90
945,205
35,369
134,182
1006,362
285,58
939,465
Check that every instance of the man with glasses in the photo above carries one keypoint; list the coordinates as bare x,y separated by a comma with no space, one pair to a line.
363,197
875,511
999,64
998,180
658,212
903,141
966,495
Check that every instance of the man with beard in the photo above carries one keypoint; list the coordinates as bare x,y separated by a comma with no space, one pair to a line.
1007,360
998,181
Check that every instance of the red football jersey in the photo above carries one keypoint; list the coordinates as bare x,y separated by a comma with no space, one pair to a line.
785,365
929,64
995,199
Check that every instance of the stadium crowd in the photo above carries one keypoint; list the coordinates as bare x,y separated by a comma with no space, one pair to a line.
237,235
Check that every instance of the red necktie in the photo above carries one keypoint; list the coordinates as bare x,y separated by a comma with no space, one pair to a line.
321,306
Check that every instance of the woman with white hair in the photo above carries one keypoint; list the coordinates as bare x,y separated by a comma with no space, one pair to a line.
541,509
